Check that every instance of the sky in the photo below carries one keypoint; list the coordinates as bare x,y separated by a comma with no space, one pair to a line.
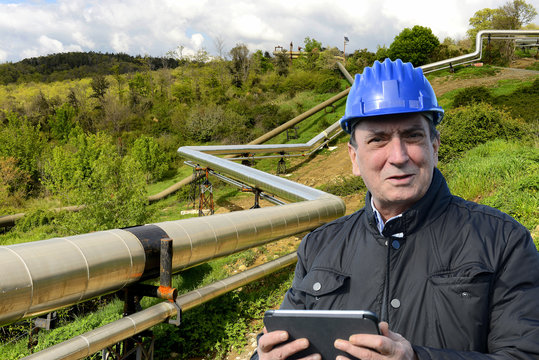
33,28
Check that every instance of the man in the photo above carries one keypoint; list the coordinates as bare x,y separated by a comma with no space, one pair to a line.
452,279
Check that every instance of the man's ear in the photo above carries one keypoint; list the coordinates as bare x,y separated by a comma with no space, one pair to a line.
436,147
353,157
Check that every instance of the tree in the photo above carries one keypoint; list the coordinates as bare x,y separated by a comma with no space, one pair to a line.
89,171
282,61
99,85
240,64
312,45
150,158
61,123
513,15
219,44
415,45
23,141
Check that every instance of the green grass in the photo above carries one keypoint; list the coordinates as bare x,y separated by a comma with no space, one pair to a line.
503,88
182,172
465,72
509,86
501,174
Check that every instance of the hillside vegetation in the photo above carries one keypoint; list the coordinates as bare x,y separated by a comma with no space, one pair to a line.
110,140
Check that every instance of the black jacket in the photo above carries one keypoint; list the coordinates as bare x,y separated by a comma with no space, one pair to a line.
463,282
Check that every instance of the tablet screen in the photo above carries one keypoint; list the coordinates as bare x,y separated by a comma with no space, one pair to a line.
321,327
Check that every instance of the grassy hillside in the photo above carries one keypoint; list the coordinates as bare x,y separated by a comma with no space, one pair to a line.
498,167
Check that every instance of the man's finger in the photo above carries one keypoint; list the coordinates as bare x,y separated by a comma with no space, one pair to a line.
269,340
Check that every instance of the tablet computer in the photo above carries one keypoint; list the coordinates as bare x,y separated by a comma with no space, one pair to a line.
321,328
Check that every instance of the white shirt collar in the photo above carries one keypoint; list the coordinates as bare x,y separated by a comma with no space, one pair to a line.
380,222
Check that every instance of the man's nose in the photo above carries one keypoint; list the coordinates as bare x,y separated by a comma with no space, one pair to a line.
398,153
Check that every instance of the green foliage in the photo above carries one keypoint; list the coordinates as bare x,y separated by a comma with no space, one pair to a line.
34,218
482,20
23,141
76,65
502,174
261,63
89,171
414,45
183,92
329,85
281,63
214,328
14,183
360,59
522,103
470,95
62,122
512,15
534,66
467,127
149,156
99,85
140,89
312,45
239,64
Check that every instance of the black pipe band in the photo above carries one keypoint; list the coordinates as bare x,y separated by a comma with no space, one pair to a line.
150,237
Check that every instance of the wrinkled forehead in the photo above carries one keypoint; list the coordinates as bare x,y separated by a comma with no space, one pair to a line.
393,123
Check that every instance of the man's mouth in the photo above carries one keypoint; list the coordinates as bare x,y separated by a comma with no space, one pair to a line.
400,177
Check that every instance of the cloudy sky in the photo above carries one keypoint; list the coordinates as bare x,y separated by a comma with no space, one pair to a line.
152,27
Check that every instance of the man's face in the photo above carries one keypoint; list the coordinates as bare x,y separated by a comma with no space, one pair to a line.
396,157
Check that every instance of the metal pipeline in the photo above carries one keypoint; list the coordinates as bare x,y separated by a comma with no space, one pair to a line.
478,53
110,334
345,72
41,276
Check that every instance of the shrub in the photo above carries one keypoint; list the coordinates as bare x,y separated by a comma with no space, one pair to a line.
24,142
89,171
13,182
328,85
472,95
467,127
150,158
522,103
33,219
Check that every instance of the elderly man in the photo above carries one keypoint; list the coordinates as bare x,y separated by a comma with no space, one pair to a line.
452,279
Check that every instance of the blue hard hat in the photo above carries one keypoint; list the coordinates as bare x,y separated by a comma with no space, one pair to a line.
391,87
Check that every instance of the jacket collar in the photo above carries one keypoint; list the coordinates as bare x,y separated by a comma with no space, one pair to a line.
427,209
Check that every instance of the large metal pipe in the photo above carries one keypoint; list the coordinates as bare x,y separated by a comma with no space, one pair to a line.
477,54
345,72
41,276
110,334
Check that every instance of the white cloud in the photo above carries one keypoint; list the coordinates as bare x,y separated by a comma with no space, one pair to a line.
197,40
83,41
154,27
120,42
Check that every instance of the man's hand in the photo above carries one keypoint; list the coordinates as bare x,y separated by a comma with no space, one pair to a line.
375,347
269,348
